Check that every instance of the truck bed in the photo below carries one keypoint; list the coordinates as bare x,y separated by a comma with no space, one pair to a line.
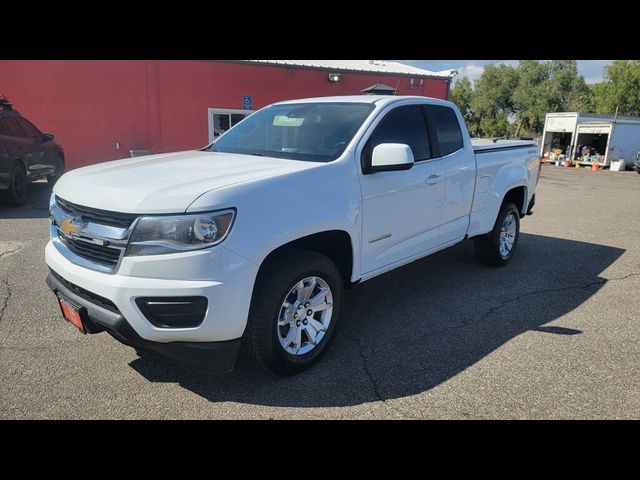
486,145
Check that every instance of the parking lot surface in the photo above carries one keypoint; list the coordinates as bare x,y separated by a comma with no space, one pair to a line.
555,334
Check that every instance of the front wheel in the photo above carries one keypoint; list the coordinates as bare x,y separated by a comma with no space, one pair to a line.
498,246
16,194
294,311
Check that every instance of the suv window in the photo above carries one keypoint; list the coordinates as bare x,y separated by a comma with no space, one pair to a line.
14,127
446,127
402,125
28,128
4,129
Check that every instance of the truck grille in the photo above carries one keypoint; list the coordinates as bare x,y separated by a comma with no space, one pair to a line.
97,253
94,215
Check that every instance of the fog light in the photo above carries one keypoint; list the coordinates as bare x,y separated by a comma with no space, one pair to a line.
173,312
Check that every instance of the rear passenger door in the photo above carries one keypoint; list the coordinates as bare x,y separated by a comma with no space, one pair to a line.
459,171
401,210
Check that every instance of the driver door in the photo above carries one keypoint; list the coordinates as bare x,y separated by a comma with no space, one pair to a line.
401,210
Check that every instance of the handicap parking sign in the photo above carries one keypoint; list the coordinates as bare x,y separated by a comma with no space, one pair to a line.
247,102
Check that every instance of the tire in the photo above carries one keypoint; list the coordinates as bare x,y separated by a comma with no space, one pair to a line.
488,247
16,194
276,284
59,171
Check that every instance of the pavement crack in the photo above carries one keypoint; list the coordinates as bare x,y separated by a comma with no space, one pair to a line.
7,296
365,366
508,301
2,254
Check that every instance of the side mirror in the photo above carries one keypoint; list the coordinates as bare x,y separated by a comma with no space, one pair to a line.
47,137
388,157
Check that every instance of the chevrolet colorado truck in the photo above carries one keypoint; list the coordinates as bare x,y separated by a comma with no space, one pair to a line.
252,239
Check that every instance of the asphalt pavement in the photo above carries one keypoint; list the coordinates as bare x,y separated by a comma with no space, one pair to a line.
555,334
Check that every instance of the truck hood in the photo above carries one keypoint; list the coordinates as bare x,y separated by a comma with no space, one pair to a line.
166,183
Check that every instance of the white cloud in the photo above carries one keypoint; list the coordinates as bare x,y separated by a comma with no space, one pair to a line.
592,70
470,71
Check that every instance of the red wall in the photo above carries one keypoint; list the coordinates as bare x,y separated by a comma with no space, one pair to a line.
159,105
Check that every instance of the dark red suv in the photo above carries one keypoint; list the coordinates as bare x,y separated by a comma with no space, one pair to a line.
26,155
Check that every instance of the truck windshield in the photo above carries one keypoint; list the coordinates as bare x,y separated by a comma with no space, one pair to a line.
316,132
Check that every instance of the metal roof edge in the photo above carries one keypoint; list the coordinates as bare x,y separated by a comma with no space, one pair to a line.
432,75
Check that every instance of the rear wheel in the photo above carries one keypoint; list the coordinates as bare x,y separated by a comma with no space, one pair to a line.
16,194
58,170
498,246
294,311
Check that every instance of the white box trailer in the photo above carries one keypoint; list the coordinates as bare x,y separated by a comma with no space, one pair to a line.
607,137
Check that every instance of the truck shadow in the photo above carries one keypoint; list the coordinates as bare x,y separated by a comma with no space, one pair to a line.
412,329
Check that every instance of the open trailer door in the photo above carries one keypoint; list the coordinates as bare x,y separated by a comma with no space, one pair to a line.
592,144
557,137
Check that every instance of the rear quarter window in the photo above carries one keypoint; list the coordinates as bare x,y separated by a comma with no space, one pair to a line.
447,130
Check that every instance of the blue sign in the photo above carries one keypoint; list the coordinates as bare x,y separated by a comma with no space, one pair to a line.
247,102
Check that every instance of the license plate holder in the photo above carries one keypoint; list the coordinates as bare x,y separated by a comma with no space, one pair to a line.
72,313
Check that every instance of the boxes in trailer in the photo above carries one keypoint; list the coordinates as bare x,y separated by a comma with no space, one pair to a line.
588,138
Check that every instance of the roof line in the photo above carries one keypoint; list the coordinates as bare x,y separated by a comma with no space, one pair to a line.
341,69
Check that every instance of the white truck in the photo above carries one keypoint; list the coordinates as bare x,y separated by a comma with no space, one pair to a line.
253,238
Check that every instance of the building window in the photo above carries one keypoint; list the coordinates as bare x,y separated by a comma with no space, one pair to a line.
222,119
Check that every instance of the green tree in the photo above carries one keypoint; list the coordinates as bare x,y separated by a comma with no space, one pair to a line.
544,87
492,100
620,89
462,96
531,97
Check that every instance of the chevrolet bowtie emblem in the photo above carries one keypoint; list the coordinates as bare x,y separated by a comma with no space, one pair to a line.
72,226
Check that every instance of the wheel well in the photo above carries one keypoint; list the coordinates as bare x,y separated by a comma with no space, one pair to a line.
517,196
334,244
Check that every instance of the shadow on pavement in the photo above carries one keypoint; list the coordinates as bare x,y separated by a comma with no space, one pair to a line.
37,205
408,331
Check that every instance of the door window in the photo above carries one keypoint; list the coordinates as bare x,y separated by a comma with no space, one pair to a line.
29,129
14,127
402,125
444,122
4,129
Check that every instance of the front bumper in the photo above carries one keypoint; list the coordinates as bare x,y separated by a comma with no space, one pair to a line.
224,278
102,314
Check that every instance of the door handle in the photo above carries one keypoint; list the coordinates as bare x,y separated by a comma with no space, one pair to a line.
432,179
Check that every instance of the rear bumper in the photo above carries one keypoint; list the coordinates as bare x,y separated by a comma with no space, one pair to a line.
102,315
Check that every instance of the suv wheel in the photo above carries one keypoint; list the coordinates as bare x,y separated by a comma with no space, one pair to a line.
294,311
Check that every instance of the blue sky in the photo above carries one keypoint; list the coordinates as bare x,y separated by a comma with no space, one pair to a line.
592,70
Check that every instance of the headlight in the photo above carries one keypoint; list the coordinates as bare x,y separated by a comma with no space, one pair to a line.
52,200
158,235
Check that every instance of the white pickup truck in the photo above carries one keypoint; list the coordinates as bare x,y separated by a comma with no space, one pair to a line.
254,237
